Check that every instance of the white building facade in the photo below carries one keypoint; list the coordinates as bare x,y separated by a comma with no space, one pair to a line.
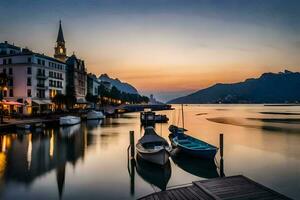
33,78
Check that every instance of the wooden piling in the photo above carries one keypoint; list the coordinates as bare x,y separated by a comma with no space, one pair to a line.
221,144
132,147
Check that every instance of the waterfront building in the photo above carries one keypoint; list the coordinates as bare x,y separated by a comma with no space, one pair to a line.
93,85
33,78
76,79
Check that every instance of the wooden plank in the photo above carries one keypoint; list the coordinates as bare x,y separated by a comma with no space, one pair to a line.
198,193
199,184
227,188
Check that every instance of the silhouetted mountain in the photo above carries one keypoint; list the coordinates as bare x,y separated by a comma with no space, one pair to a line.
282,87
122,86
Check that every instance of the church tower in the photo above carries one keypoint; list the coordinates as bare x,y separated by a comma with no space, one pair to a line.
60,49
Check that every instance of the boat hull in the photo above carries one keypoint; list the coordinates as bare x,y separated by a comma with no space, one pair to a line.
204,154
200,153
69,121
160,157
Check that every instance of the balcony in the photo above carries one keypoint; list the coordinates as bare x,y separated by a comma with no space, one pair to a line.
41,86
41,76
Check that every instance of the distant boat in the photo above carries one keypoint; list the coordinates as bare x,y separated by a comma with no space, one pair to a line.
154,174
150,118
69,120
161,119
23,126
147,118
190,145
153,148
95,115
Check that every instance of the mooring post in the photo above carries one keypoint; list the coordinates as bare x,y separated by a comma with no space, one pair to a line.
132,148
221,144
222,174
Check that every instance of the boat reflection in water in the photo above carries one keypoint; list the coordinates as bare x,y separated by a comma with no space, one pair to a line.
198,167
68,131
46,151
93,123
156,175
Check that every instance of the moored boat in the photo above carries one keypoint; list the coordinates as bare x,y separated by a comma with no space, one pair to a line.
69,120
153,148
95,115
147,118
161,119
190,145
23,126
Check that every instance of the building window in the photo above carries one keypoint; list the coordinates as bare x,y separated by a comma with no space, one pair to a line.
39,61
10,82
28,81
5,93
29,60
4,70
4,61
9,61
11,93
28,70
43,62
29,93
10,71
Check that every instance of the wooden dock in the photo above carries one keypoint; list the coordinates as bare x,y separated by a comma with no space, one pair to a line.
233,187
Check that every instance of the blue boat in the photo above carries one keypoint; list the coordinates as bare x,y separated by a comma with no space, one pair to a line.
192,146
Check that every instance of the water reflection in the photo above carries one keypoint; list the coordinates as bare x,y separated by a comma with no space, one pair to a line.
24,158
156,175
197,167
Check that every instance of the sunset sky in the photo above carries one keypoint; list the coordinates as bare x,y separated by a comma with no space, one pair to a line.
165,47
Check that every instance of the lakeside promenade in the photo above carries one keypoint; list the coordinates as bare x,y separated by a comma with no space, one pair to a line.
53,118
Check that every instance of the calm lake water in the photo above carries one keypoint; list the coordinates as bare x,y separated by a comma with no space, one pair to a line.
89,161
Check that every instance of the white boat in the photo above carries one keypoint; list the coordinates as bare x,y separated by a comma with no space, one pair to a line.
69,120
95,115
153,148
23,126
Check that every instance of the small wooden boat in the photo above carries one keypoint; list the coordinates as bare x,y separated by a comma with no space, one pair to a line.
69,120
190,145
94,115
153,148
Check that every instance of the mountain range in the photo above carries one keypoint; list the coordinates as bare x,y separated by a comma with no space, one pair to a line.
282,87
122,86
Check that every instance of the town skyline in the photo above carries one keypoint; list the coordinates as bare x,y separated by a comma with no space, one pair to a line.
168,50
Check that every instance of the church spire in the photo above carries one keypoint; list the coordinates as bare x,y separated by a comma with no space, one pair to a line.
60,36
60,51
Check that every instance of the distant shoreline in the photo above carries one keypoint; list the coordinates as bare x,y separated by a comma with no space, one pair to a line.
236,104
